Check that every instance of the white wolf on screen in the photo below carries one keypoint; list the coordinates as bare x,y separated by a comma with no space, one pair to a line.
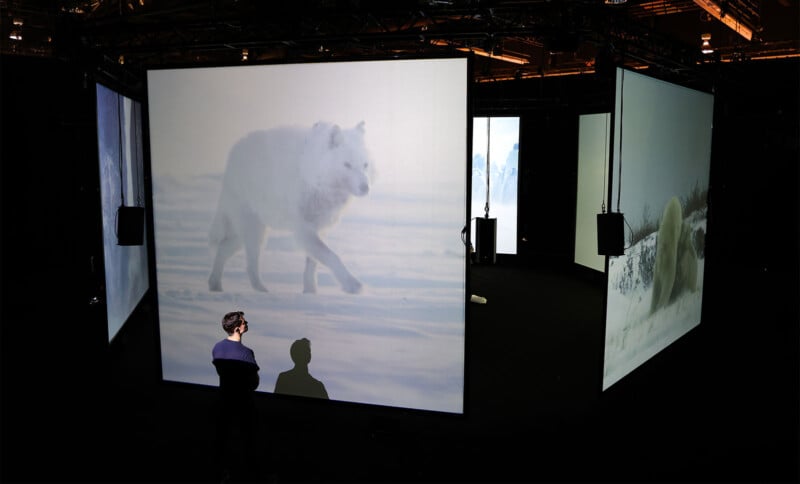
292,178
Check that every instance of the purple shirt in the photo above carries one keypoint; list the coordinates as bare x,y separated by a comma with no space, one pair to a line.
233,350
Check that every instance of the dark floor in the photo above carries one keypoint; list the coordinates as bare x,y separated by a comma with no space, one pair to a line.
708,408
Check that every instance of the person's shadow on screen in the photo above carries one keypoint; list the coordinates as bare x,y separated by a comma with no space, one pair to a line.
298,381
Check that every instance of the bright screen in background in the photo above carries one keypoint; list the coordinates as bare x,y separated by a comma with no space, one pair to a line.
662,137
594,147
400,341
119,140
499,137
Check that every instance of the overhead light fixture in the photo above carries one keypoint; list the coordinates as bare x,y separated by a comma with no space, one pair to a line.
484,53
706,48
725,17
15,35
615,2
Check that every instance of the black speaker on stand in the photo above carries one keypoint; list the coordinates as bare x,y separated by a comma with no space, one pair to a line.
130,225
486,240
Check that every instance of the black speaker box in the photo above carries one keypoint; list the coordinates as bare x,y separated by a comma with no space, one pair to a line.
486,240
130,226
610,234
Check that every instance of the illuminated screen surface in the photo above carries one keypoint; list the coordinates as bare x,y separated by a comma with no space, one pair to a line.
373,151
662,136
119,138
499,138
594,147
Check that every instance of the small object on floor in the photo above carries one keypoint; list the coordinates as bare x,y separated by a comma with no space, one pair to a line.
477,299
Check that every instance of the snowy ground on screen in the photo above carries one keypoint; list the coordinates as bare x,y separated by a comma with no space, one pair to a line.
399,343
633,335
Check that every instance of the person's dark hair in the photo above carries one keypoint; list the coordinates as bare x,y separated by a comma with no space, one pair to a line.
300,351
232,320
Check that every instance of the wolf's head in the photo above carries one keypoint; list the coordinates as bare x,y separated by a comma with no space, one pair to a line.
346,160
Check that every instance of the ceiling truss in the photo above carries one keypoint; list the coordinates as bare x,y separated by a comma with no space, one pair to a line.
511,39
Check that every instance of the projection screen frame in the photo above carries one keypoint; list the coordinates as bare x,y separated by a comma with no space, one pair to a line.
698,149
465,66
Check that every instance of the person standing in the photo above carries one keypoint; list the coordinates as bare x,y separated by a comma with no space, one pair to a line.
236,417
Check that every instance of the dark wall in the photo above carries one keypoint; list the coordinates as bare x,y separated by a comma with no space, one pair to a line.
53,343
57,365
548,160
753,227
752,305
755,175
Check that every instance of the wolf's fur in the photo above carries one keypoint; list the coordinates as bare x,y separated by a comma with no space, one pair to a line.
291,178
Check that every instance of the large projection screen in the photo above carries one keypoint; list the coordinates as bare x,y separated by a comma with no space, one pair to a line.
375,152
662,140
120,155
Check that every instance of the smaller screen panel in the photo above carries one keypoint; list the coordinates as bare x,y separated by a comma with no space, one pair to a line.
495,169
120,149
594,147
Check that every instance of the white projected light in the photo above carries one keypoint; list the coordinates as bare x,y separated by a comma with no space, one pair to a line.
496,139
120,146
592,195
326,201
662,132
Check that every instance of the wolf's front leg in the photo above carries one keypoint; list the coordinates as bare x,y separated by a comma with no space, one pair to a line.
318,250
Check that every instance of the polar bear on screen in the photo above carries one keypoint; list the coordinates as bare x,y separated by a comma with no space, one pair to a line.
293,178
675,270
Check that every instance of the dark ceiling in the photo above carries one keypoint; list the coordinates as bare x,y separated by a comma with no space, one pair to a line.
511,39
